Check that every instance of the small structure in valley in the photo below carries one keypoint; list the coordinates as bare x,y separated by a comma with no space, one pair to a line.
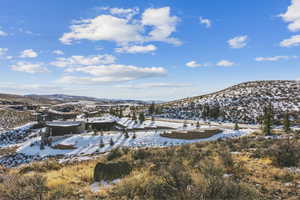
60,128
102,124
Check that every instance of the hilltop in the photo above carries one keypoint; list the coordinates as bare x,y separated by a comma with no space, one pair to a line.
73,98
12,99
242,103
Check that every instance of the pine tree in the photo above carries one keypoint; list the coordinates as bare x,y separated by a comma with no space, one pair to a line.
236,126
205,112
126,134
141,117
184,124
286,123
152,119
101,143
111,111
121,113
111,142
152,108
267,120
94,131
157,110
42,146
133,116
198,124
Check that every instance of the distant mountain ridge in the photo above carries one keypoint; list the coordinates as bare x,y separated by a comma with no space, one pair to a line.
20,99
72,98
240,103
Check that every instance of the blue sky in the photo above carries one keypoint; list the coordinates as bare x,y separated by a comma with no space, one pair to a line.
145,49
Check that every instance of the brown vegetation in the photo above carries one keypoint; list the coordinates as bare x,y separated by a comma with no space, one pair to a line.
245,168
192,134
12,118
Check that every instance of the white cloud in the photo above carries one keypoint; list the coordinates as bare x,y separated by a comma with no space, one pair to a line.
164,24
128,13
21,88
205,21
136,49
3,51
154,85
292,41
155,25
58,52
112,73
275,58
28,67
28,32
88,80
194,64
238,42
26,87
99,48
75,61
104,27
121,71
28,53
225,63
3,54
2,33
292,16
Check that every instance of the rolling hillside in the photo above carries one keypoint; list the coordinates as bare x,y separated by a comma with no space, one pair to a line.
13,99
72,98
242,103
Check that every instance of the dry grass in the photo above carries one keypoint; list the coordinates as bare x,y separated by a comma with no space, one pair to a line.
7,151
270,180
193,134
201,166
64,147
12,118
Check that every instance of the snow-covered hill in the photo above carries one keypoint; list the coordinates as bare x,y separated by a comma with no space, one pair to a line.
243,103
72,98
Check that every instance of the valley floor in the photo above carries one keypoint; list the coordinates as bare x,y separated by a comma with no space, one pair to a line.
233,164
88,144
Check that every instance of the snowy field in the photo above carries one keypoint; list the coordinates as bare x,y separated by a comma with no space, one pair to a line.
87,145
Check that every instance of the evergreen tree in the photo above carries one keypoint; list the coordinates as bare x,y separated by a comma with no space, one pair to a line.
152,119
236,126
198,124
267,120
184,124
152,108
141,117
121,113
205,112
42,146
95,131
286,123
111,142
101,143
157,110
111,111
126,134
133,116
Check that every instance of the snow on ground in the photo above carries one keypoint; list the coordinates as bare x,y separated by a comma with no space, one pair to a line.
96,186
88,144
85,144
130,124
15,136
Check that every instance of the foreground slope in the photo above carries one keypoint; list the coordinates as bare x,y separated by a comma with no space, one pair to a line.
242,103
